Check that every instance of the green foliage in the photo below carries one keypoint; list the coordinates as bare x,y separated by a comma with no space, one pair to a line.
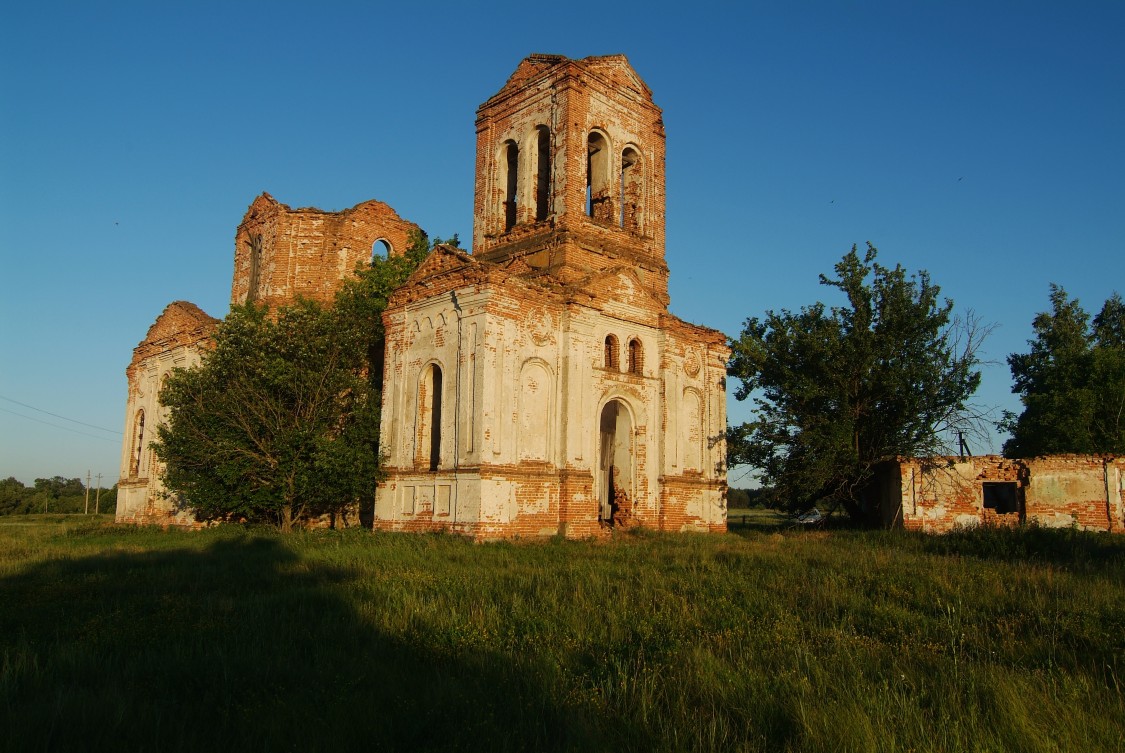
241,639
281,420
12,494
746,498
454,241
1071,383
53,495
737,498
839,390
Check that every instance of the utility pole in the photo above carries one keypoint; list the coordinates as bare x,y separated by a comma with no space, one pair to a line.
963,446
87,493
98,496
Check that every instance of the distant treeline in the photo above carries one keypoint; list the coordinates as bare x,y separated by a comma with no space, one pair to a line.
743,498
53,495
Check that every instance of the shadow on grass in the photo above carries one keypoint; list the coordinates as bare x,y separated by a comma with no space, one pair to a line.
243,645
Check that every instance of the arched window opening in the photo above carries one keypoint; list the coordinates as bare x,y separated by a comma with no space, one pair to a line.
611,358
162,412
511,177
632,189
636,357
599,202
542,173
138,447
615,464
434,422
380,249
254,243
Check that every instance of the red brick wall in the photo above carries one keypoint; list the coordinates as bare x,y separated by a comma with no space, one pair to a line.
308,252
940,494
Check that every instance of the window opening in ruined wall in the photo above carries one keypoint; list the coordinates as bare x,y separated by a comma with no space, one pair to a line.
255,245
511,181
542,173
138,447
1000,496
611,361
429,418
380,249
632,189
599,202
156,468
636,357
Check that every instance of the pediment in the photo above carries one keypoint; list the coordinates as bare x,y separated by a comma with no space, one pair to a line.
621,285
177,319
264,205
614,70
617,71
442,260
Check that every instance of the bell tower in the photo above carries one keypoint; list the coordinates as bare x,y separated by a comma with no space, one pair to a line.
570,171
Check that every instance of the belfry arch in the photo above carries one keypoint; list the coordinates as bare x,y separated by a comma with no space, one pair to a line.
632,190
542,173
510,166
599,186
616,464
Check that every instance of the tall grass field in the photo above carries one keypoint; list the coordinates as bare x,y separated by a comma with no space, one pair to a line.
135,639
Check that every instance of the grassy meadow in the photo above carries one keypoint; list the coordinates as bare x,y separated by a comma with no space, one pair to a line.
133,639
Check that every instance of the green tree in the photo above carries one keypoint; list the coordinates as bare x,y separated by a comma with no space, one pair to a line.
55,494
1071,383
840,390
12,494
280,422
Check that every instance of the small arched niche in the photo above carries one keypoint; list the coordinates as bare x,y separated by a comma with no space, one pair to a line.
428,453
611,352
138,447
636,357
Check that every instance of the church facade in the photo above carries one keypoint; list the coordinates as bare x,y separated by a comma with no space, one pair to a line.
538,385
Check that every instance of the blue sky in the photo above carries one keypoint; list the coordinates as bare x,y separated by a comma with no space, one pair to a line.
980,141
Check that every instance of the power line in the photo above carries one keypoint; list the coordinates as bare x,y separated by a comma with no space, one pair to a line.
56,415
744,474
64,428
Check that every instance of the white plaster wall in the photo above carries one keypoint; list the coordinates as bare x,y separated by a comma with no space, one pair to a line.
144,492
508,343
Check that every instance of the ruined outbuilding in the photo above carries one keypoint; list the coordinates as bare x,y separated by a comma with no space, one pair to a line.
536,386
940,494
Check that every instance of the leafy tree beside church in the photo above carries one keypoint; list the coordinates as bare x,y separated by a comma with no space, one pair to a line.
839,390
280,422
1071,382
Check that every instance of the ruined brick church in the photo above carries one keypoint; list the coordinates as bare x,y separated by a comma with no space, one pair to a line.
536,386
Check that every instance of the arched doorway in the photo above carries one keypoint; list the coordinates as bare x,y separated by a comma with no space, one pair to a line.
615,462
